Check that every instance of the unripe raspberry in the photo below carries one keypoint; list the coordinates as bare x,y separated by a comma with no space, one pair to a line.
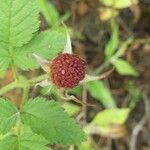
67,70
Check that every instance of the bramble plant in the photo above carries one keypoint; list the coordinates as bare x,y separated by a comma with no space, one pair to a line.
37,122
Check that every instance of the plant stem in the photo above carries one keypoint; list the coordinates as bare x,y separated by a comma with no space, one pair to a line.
142,41
25,95
122,50
9,87
118,54
14,70
22,84
38,79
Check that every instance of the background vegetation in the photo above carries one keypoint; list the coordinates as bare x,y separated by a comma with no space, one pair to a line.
111,35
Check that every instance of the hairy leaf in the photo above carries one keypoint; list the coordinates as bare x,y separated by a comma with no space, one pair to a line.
4,60
24,140
8,115
30,140
8,142
19,20
47,44
48,119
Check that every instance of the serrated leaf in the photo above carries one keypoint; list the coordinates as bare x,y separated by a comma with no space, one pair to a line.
19,20
124,68
24,140
47,44
111,116
119,4
48,119
4,60
113,43
8,115
99,90
30,140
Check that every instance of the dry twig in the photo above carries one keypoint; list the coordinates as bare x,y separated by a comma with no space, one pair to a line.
140,125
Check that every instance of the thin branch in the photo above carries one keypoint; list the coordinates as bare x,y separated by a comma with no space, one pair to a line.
142,40
84,100
140,125
89,78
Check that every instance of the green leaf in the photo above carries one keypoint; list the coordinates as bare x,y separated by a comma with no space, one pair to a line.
119,4
46,44
8,115
113,43
110,121
4,60
24,140
134,94
46,91
2,74
124,68
71,108
111,116
87,145
8,143
30,140
99,90
19,20
50,13
76,90
48,119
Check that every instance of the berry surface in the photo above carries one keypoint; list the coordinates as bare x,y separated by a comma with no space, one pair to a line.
67,70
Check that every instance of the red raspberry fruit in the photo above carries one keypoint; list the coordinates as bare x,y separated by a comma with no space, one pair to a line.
67,70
